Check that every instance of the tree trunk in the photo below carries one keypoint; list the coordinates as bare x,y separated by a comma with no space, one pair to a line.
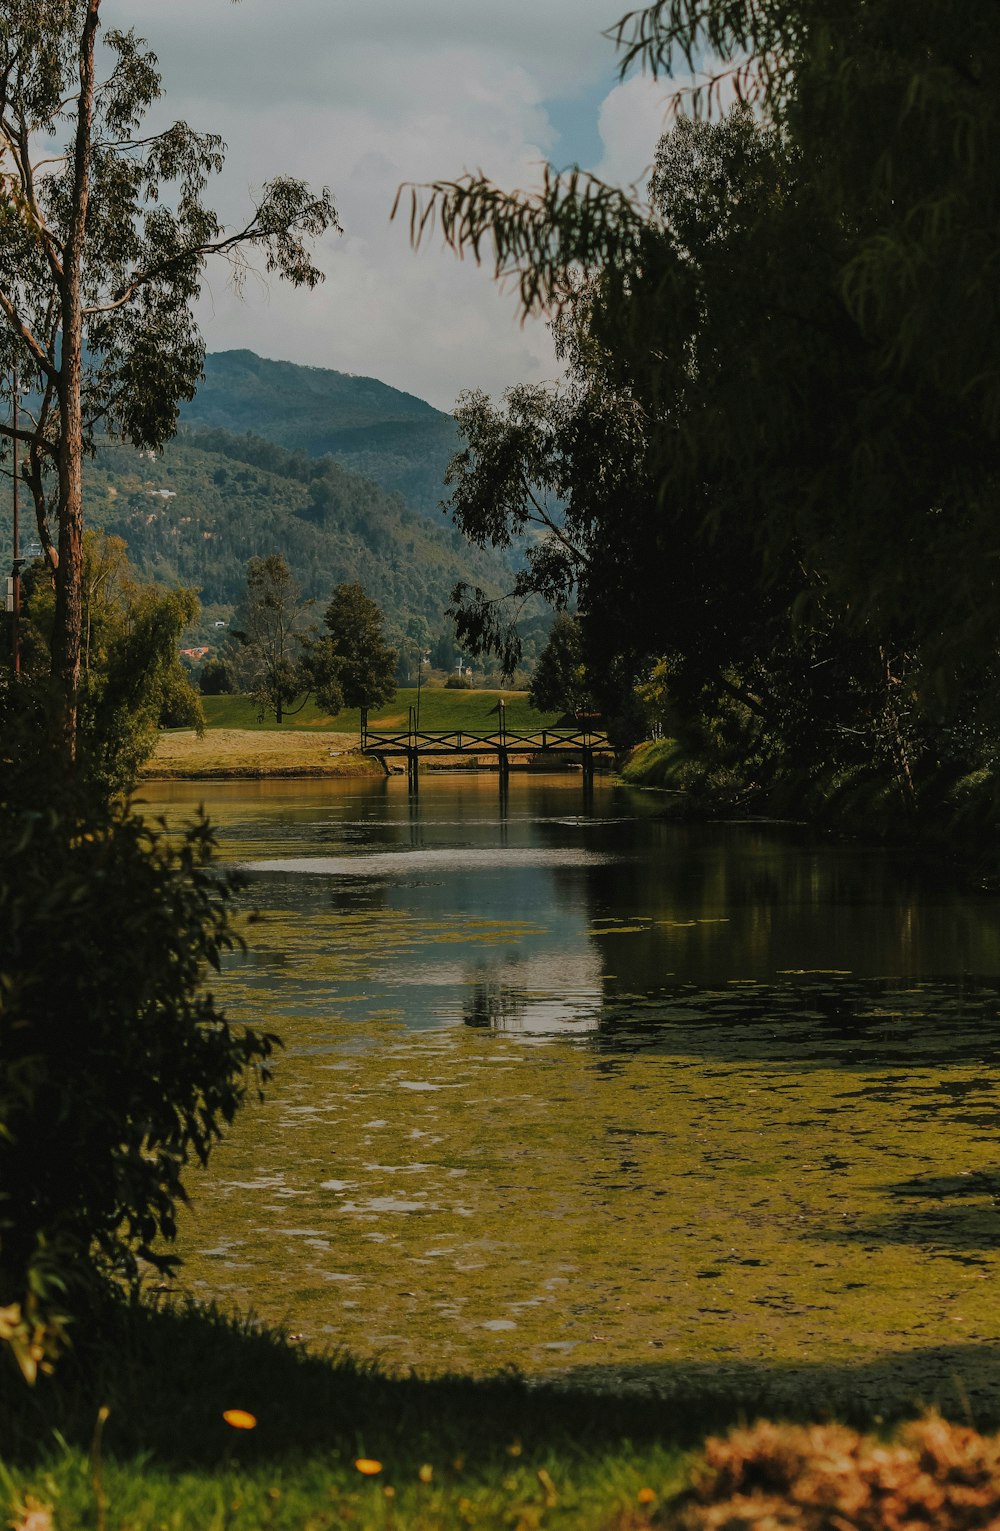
69,574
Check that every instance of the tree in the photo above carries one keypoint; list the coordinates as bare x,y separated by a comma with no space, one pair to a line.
351,664
803,328
117,1069
270,625
443,649
217,678
877,279
558,681
132,681
412,649
102,247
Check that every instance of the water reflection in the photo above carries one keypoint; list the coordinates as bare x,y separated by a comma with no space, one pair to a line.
564,912
577,1081
552,910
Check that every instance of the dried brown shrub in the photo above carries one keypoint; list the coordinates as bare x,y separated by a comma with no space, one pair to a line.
828,1478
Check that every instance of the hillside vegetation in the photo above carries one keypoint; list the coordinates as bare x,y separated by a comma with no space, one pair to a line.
196,514
400,442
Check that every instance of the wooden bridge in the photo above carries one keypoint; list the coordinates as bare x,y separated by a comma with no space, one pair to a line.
415,744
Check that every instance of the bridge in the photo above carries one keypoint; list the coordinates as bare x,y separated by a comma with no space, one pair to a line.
415,744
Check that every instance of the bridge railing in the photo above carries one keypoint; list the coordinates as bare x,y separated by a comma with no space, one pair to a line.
461,741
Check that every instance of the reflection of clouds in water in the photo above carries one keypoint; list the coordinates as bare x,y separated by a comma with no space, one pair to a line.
547,992
502,1008
490,859
538,993
469,821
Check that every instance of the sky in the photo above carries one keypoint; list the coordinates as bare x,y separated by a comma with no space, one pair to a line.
361,96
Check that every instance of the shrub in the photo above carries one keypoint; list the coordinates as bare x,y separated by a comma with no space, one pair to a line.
456,682
827,1476
217,678
116,1067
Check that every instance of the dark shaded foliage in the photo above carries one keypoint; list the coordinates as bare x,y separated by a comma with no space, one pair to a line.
117,1068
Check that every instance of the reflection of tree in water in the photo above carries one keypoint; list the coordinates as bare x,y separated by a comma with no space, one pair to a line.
491,1002
712,903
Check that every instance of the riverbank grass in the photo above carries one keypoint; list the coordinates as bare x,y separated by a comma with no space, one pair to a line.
311,743
133,1434
181,1418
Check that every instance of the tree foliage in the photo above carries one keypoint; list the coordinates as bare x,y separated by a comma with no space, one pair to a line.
132,682
103,241
270,625
351,664
117,1068
792,353
559,680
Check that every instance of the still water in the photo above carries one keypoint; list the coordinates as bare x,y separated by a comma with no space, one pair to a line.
568,1086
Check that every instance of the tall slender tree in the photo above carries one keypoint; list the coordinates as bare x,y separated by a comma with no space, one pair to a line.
103,241
270,625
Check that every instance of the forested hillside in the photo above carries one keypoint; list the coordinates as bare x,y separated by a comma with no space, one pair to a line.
195,515
399,441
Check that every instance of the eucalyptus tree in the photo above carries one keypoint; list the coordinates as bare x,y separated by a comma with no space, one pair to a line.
270,625
104,236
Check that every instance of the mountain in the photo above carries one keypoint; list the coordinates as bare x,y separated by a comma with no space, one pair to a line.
196,513
396,440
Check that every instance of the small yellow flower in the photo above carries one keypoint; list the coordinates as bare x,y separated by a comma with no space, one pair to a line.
240,1419
368,1466
425,1473
646,1495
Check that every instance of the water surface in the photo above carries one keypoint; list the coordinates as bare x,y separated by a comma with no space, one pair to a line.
569,1086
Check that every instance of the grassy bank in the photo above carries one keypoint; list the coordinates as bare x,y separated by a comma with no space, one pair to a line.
441,1452
311,743
440,709
244,752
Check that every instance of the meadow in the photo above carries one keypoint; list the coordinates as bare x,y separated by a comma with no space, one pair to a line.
237,742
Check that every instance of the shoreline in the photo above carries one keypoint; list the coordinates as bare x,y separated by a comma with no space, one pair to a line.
242,754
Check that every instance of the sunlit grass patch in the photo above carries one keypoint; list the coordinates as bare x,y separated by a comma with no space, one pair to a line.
335,1443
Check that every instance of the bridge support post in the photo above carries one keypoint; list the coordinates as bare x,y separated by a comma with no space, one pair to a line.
503,771
413,770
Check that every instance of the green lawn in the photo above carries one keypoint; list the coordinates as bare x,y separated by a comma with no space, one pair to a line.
337,1443
440,710
444,1452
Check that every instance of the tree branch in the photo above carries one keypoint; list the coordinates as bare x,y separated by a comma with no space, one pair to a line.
546,520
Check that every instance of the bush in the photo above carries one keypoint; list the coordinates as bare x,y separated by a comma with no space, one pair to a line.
217,678
116,1067
456,682
826,1476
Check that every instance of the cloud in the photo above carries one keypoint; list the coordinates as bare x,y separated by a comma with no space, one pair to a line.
364,97
631,120
308,49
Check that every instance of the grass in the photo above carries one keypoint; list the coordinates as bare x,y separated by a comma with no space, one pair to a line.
451,1451
337,1443
441,709
311,743
231,752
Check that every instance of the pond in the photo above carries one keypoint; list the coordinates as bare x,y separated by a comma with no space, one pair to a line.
572,1087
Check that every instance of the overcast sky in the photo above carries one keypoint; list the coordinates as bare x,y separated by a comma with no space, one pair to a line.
361,95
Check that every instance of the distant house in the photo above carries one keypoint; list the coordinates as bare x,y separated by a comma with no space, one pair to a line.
195,655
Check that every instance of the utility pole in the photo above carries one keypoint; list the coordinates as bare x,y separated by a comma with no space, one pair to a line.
15,637
420,680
